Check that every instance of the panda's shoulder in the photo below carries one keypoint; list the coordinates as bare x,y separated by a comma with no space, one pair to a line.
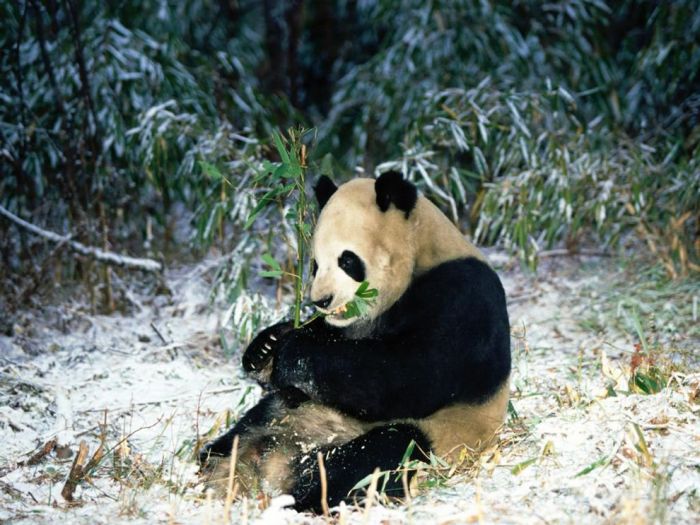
458,273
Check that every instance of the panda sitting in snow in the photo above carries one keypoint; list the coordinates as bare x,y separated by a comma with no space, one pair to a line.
428,364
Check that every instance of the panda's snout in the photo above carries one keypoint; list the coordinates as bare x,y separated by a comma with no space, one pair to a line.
324,301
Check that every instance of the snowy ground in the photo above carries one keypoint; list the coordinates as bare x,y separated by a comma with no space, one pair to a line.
159,378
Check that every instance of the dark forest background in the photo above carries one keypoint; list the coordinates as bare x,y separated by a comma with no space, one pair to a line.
534,125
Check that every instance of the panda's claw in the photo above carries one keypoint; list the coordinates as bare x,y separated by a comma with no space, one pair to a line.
260,352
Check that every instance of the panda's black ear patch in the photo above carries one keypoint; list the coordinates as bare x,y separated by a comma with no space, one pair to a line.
323,190
392,188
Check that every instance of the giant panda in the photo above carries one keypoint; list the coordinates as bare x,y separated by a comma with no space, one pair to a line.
429,363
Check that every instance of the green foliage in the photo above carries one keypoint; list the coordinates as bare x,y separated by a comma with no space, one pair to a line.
521,112
531,124
287,185
116,106
361,302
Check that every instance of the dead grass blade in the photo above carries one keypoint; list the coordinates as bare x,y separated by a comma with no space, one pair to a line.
231,488
324,486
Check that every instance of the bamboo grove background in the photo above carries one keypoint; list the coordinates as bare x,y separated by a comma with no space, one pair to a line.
535,125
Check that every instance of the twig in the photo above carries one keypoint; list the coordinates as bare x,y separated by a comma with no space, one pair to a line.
324,485
565,252
523,297
76,472
155,329
111,258
231,489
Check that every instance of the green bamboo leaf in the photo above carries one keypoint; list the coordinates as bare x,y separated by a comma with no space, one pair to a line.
281,171
351,310
409,452
597,463
210,170
364,482
268,166
363,286
511,410
264,201
281,150
517,469
369,294
270,260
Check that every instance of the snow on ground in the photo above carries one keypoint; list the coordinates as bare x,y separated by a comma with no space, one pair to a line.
159,378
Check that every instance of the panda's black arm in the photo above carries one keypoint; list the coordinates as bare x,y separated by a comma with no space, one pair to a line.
446,341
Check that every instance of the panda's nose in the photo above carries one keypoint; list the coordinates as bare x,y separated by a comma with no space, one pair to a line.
324,301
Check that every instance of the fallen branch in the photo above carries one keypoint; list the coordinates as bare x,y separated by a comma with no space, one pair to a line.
41,453
111,258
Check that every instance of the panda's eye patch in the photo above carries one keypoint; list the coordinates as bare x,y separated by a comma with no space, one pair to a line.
314,268
352,265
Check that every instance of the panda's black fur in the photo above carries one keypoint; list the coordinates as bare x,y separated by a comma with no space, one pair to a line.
421,372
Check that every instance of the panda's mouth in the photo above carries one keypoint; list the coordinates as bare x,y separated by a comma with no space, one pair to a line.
339,311
337,314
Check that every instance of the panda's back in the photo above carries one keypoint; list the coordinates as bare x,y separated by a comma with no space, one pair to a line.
460,307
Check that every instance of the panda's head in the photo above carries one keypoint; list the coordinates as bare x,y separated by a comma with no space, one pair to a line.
364,233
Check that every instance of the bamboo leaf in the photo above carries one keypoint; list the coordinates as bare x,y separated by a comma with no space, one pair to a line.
597,463
281,150
517,469
210,170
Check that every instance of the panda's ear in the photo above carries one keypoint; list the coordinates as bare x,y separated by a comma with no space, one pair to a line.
323,190
392,188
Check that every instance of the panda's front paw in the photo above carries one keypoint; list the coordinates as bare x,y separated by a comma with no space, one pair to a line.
257,359
292,369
